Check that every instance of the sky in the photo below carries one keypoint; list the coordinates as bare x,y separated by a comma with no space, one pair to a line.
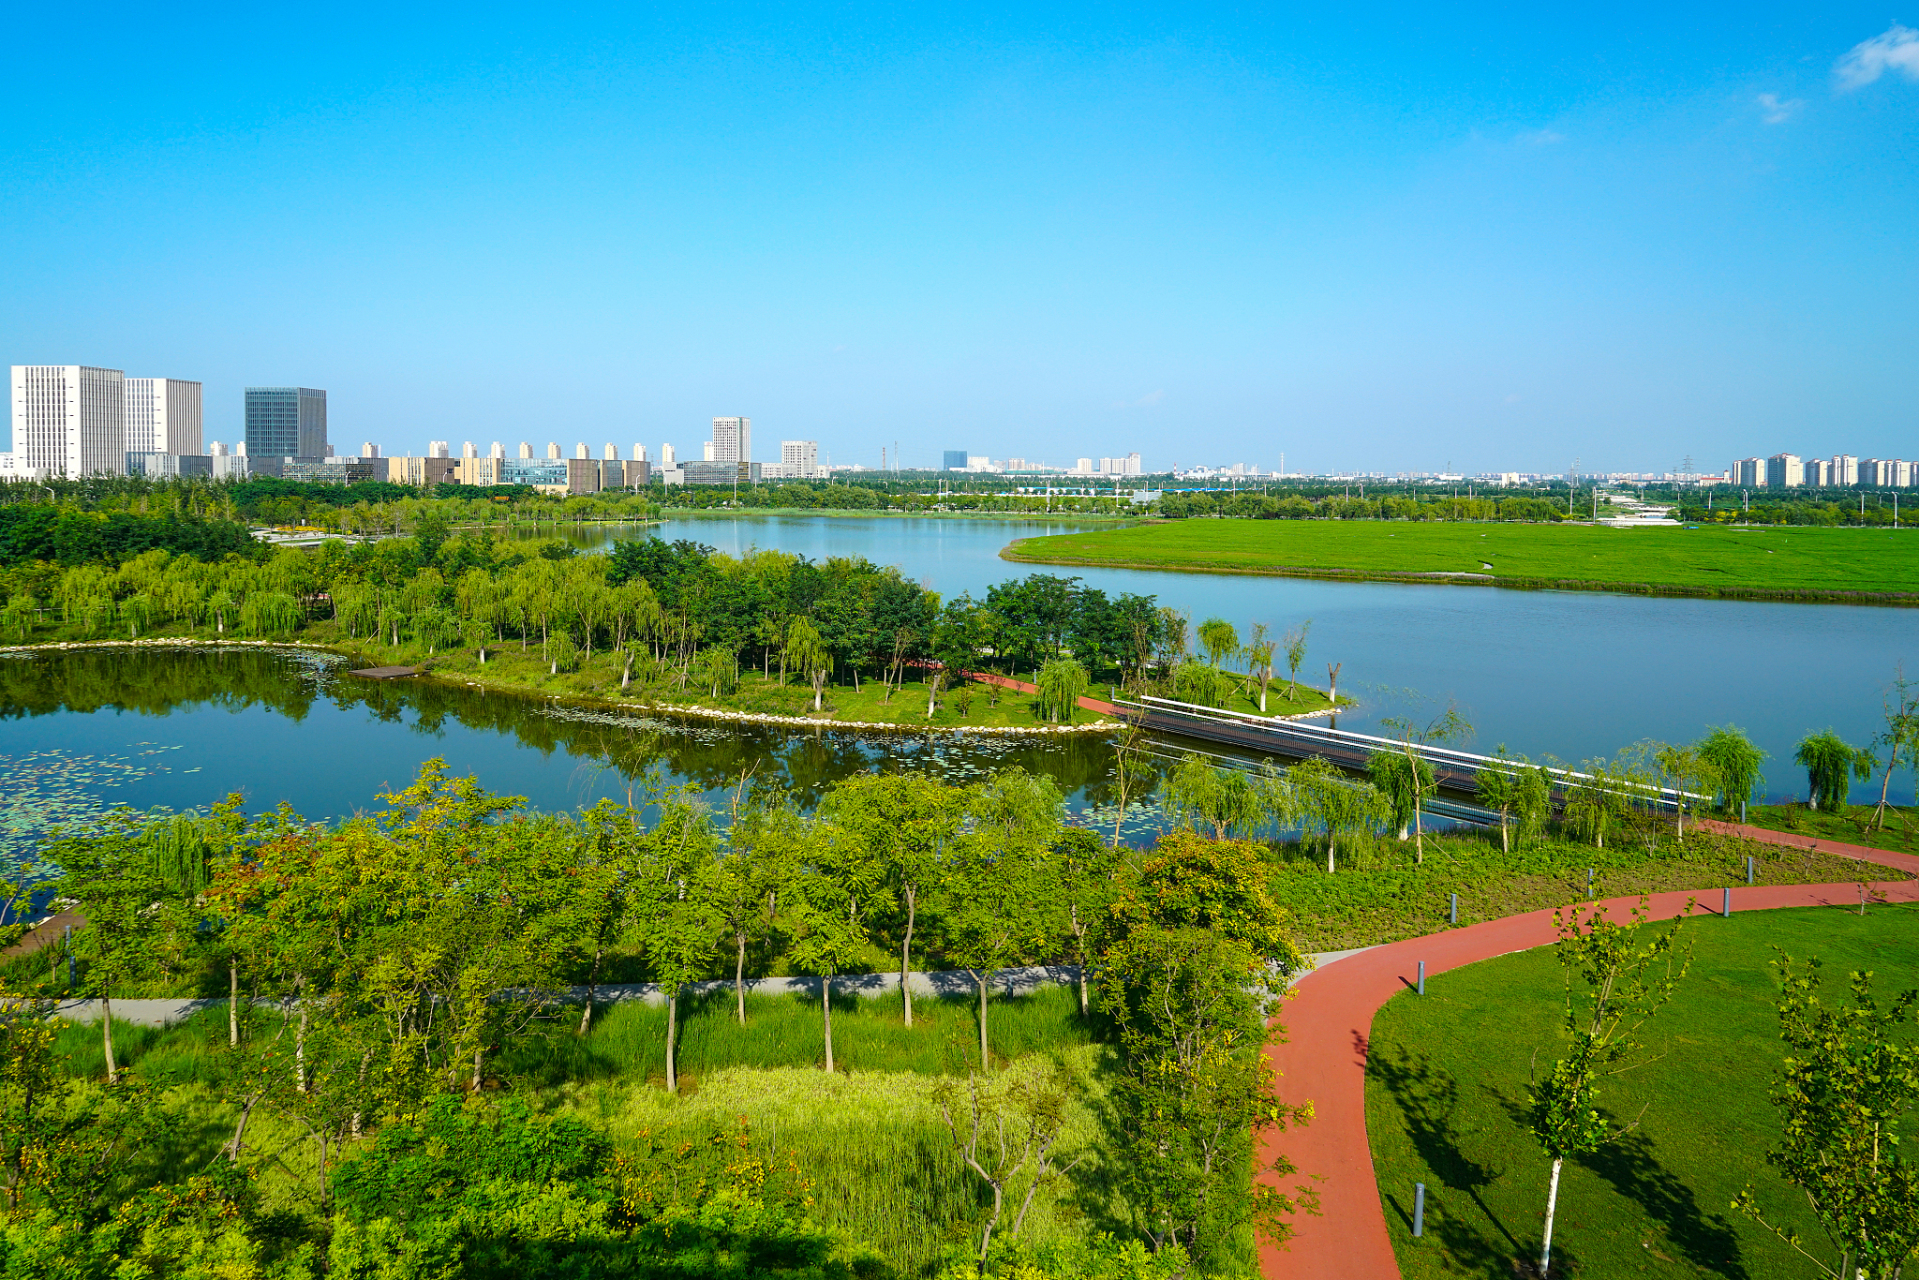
1487,238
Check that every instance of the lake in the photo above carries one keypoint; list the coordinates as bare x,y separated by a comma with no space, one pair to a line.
1566,674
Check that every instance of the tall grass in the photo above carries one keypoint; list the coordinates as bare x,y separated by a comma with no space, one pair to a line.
628,1040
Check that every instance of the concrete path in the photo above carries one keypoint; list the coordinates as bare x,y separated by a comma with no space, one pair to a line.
948,982
1329,1022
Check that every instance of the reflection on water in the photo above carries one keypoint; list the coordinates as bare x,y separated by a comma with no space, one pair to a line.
293,727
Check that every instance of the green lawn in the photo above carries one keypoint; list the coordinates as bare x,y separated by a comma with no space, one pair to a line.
1446,1084
1900,835
1785,561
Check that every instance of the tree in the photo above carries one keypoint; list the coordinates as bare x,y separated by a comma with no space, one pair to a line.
1199,792
114,881
765,833
1088,868
1060,682
1000,899
806,653
1847,1082
1497,787
1007,1134
1218,638
903,823
1735,765
1900,737
1831,763
1686,771
1259,654
832,892
1448,726
676,907
1404,780
1614,985
1294,643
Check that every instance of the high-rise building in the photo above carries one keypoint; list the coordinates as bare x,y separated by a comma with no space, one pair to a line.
497,451
467,449
553,451
1818,473
1785,471
286,422
667,456
639,453
732,440
437,449
1749,473
800,459
1876,473
68,420
163,416
954,460
612,452
1845,469
369,450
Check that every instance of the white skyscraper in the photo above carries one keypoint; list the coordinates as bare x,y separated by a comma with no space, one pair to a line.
667,456
800,458
612,452
436,448
732,440
69,420
639,453
369,450
163,416
1845,469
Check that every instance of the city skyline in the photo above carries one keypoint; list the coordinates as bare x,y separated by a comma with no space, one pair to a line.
1378,240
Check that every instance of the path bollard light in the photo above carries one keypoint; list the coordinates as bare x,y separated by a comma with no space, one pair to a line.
1589,883
1419,1208
1452,916
1752,864
1725,904
1742,813
69,957
1422,977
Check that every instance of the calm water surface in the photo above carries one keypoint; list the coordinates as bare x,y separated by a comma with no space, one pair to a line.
1570,674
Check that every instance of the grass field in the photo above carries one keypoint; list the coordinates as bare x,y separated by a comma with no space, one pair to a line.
1783,562
1900,834
1447,1078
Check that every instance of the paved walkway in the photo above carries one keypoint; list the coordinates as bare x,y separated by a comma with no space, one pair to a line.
1026,686
1329,1020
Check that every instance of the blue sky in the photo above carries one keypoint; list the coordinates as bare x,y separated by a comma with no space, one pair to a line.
1428,235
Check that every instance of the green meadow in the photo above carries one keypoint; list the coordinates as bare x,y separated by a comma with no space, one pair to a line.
1786,562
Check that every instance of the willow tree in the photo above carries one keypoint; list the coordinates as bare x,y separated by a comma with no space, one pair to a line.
1831,763
806,653
1060,682
1735,762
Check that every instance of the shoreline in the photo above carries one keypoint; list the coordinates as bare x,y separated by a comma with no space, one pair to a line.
654,708
1886,599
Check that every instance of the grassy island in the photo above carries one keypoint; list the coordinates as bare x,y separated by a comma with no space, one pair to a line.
1863,565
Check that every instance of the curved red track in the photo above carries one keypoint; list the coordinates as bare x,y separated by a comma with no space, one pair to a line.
1329,1020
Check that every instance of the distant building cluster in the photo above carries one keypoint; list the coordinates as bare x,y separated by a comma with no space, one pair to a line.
961,460
1841,471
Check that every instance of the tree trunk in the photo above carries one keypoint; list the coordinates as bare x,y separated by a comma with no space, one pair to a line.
1505,840
106,1024
1879,814
672,1029
819,683
592,983
932,691
1331,844
739,975
906,954
1079,934
826,1016
233,1002
478,1051
1552,1204
985,1057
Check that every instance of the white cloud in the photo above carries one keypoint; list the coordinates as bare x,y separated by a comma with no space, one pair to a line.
1896,50
1541,138
1774,110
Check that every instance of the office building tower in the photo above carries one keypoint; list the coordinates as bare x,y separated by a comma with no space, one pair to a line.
68,420
1784,471
639,453
1845,469
436,449
1818,473
667,456
732,440
1749,473
369,450
467,450
612,452
800,459
955,460
497,450
286,422
526,450
1875,473
163,416
581,451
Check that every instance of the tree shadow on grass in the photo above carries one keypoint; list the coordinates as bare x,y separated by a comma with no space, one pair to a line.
1427,1097
1631,1165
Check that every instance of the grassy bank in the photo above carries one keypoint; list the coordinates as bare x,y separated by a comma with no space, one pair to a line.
1382,895
1861,565
1446,1087
1853,826
869,1139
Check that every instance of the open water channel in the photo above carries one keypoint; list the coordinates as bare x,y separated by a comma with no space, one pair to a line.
1566,674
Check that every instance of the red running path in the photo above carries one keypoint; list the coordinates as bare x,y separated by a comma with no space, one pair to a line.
1329,1021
